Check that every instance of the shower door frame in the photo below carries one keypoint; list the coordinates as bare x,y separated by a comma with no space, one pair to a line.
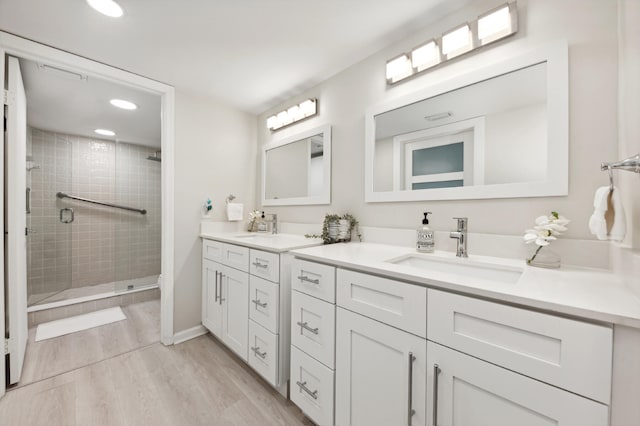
23,48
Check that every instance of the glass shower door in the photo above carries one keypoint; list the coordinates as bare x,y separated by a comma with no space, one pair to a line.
49,218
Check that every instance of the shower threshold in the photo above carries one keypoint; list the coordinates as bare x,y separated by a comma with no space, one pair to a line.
95,292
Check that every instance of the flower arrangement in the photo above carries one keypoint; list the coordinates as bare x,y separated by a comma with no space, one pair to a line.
331,228
253,216
546,229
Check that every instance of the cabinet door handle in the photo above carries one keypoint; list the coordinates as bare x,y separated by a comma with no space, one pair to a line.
216,292
306,327
307,279
256,350
259,265
410,410
259,303
221,286
436,371
303,386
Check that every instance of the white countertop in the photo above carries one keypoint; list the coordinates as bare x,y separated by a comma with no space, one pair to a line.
276,243
593,294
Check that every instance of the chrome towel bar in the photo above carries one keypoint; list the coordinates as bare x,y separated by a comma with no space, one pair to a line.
100,203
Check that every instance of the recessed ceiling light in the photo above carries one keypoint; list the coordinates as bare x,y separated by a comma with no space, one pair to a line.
105,132
120,103
106,7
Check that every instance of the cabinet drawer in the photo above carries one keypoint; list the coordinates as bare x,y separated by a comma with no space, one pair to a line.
235,256
314,279
392,302
263,303
263,352
212,250
312,387
570,354
473,392
313,325
265,265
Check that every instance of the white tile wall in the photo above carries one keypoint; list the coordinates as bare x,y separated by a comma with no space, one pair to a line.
102,244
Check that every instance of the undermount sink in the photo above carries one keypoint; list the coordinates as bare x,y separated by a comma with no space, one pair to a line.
506,274
255,236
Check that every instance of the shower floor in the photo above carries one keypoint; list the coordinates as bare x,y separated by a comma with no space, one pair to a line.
90,291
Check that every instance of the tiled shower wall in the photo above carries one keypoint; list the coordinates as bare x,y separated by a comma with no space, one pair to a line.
102,244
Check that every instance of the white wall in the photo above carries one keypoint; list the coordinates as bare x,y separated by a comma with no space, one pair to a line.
589,26
629,117
214,156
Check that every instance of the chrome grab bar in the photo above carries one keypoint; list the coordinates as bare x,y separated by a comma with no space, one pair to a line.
100,203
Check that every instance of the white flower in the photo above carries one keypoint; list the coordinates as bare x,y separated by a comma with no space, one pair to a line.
546,230
254,215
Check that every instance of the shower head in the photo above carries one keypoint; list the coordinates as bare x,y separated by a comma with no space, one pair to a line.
155,157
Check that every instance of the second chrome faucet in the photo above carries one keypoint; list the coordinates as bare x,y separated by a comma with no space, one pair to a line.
460,234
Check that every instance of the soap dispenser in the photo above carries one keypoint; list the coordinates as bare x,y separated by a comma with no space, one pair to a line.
424,236
262,225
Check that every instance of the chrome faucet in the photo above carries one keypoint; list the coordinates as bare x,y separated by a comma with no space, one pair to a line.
460,234
273,221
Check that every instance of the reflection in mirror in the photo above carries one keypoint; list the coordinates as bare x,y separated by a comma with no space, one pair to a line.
492,137
296,170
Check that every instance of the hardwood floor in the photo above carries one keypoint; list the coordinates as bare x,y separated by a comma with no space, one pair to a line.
52,357
198,382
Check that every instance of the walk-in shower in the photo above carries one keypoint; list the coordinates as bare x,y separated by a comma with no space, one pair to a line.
94,217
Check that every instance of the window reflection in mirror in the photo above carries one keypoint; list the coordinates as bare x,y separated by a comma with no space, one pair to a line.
487,133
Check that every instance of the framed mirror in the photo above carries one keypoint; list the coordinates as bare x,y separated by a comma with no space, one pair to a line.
500,131
297,170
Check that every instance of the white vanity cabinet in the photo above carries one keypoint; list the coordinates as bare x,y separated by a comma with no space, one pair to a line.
246,304
313,322
225,291
380,373
407,354
471,392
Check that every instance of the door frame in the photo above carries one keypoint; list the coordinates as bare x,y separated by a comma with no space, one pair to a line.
27,49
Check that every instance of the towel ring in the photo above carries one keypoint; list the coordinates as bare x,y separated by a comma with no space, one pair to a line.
610,178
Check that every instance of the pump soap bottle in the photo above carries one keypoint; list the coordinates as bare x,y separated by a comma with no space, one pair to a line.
424,236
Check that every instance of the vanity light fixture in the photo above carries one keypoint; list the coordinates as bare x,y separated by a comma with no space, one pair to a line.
107,7
121,103
457,41
491,26
105,132
293,114
425,56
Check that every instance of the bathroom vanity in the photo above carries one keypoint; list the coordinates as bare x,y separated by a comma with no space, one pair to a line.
382,335
246,297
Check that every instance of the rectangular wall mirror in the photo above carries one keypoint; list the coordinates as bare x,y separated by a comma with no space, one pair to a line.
496,132
297,170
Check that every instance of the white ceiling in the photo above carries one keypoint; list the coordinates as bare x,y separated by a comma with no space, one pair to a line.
60,103
251,54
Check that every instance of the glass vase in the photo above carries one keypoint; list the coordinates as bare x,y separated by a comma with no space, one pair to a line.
544,257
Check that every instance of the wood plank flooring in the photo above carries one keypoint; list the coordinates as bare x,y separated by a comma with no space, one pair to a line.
198,382
52,357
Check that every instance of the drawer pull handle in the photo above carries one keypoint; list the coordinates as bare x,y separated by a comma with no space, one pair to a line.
303,386
410,410
436,371
259,265
256,350
259,303
307,279
306,327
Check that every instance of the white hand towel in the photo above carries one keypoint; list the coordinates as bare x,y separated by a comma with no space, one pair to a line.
616,220
235,211
619,227
597,222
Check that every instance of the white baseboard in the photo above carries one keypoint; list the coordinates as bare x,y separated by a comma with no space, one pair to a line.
188,334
